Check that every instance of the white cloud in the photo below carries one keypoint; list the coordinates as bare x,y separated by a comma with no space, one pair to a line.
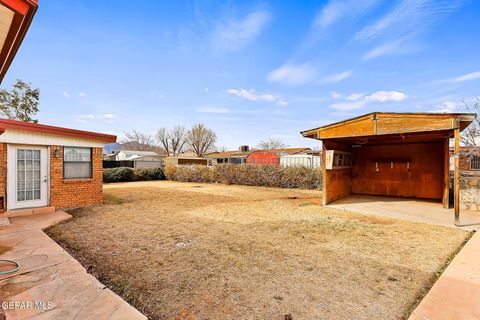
334,78
293,75
65,94
384,96
335,95
408,17
448,106
355,96
355,101
83,118
82,94
235,34
336,10
105,117
466,77
213,110
252,95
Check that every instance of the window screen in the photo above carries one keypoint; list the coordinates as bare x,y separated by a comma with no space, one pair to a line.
77,163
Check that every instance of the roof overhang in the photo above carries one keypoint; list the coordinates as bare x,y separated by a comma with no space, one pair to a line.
52,130
383,124
15,18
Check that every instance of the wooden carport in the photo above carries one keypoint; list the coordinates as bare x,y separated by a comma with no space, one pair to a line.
392,154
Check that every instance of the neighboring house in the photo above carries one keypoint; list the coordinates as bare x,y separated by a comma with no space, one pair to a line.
134,159
47,166
15,19
469,160
184,160
233,157
272,157
301,160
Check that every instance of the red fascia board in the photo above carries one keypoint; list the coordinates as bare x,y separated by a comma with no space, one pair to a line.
24,11
59,131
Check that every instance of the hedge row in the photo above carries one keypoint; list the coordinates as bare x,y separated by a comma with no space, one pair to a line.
250,175
124,174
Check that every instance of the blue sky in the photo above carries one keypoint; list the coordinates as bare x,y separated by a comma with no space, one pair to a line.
249,70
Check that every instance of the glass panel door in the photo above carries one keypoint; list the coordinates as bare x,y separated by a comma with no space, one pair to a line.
28,175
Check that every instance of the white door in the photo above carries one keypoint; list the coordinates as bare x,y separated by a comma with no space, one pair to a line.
27,180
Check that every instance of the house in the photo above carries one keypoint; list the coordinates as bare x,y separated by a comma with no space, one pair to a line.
233,157
15,18
272,157
301,160
47,166
133,159
469,160
392,154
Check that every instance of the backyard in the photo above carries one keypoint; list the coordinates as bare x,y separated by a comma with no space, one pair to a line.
210,251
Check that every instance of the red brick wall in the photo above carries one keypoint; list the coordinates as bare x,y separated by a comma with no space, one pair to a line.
75,193
3,175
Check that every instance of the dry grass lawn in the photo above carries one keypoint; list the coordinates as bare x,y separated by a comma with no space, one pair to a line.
253,253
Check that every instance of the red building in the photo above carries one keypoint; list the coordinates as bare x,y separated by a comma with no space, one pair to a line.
272,157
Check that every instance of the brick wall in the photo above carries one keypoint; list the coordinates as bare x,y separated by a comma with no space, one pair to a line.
75,193
3,175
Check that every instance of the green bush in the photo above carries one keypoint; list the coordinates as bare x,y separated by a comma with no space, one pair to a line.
149,174
121,174
248,174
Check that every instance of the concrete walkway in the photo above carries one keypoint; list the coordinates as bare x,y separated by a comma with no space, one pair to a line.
51,284
456,294
408,209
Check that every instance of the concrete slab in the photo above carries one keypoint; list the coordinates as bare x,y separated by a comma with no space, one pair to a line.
51,278
408,209
456,294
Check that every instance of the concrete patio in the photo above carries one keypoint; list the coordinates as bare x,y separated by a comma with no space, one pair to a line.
408,209
50,277
456,294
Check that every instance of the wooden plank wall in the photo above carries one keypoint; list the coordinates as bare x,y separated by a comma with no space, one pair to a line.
424,178
337,183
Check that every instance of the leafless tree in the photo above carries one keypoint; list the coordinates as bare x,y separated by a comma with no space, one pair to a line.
200,139
271,144
471,135
221,149
138,141
173,141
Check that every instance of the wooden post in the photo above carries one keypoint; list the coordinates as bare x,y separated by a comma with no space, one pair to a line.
446,172
324,175
456,180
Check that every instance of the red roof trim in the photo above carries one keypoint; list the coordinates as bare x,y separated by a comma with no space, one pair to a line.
59,131
24,12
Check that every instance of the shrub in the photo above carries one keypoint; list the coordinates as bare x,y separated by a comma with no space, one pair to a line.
248,174
120,174
149,174
125,174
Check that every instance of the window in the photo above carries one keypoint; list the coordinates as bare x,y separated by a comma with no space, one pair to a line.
475,163
77,163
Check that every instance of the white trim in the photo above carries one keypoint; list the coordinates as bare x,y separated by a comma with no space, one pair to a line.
42,139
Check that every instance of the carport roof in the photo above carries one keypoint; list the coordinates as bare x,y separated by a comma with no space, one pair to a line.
391,123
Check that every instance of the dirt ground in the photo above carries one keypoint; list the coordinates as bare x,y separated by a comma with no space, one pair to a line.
203,251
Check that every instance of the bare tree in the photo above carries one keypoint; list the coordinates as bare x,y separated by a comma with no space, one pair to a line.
271,144
471,135
138,141
163,137
173,141
200,139
221,149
